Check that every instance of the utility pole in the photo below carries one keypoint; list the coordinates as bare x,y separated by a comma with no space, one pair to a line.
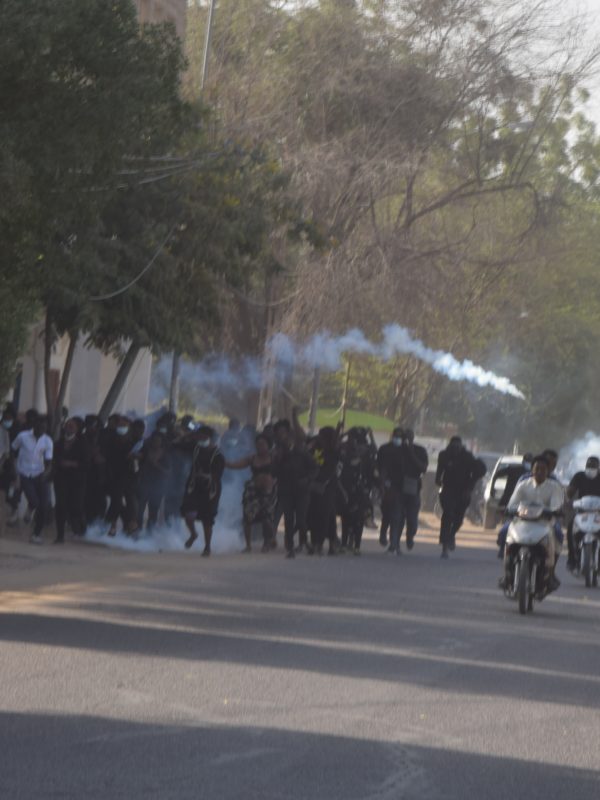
176,363
314,401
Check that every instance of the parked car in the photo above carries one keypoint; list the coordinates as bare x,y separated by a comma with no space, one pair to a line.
500,487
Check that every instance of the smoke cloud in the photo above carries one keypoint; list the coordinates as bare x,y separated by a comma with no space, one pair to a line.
572,458
325,351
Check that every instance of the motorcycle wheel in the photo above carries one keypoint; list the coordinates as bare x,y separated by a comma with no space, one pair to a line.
587,567
523,593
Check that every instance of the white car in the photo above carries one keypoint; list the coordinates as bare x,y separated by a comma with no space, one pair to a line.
507,472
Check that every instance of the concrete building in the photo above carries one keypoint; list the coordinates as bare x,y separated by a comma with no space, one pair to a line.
92,374
163,11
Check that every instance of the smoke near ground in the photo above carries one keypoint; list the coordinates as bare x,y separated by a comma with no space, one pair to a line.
227,534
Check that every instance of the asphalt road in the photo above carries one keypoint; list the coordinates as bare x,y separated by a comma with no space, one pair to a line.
125,675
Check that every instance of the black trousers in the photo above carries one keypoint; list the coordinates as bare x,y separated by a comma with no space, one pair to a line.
454,506
38,497
70,493
294,507
353,523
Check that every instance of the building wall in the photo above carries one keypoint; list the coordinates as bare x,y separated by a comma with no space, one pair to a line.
92,374
163,11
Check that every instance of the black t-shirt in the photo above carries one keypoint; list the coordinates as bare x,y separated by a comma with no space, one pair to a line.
458,470
584,486
391,465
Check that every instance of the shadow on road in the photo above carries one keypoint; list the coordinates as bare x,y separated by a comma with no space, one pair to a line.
96,758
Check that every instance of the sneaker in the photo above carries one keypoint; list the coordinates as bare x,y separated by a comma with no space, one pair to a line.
410,543
36,539
206,551
383,540
290,554
190,541
356,551
553,583
571,566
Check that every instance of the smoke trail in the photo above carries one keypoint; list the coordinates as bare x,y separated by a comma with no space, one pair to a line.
325,351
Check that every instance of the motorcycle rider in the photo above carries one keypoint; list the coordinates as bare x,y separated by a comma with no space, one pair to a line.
546,492
583,484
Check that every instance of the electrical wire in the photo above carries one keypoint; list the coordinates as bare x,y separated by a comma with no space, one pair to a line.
123,289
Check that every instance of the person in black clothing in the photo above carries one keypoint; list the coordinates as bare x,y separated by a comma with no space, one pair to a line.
153,477
294,470
119,442
353,491
69,476
583,484
9,428
457,473
180,447
95,481
390,462
203,487
323,490
414,464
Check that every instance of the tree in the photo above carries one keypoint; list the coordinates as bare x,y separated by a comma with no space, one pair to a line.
88,100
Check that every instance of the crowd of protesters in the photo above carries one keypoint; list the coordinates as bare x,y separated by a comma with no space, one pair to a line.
126,476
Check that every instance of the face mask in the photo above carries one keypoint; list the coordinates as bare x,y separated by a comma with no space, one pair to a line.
7,424
123,431
591,473
527,466
162,430
204,443
397,441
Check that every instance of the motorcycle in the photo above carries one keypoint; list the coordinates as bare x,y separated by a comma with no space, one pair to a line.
527,542
586,532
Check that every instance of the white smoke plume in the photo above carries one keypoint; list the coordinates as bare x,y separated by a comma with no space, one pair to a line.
325,350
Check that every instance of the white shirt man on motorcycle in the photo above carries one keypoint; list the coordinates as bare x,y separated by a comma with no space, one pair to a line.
539,490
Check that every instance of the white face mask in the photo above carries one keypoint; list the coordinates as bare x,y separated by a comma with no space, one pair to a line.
591,472
204,443
7,423
527,466
397,441
123,431
162,430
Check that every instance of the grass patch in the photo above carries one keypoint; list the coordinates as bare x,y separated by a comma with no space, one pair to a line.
354,419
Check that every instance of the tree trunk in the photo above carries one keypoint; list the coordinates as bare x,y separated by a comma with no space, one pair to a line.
48,342
120,380
174,387
56,413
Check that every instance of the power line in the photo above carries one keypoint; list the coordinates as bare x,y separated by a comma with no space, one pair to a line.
138,277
